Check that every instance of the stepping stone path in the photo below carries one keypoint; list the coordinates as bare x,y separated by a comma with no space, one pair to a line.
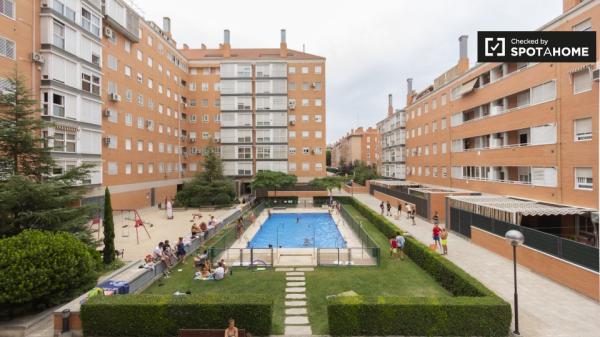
296,311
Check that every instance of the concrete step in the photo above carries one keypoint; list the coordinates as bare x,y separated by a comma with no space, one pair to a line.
294,273
298,330
296,320
284,269
295,303
295,296
295,311
296,278
305,269
295,290
296,284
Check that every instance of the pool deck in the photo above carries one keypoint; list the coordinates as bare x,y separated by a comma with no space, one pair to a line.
307,256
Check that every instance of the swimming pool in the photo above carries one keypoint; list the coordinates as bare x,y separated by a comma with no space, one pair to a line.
298,230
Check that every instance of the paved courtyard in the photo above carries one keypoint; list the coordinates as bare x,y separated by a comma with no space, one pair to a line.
546,308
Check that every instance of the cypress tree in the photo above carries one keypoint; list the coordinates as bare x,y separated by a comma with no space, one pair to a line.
109,230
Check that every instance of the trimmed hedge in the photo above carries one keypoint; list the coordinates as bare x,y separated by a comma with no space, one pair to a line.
164,315
418,316
474,311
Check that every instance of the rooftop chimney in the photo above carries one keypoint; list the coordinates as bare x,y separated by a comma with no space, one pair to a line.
283,45
226,45
409,91
166,24
390,105
464,47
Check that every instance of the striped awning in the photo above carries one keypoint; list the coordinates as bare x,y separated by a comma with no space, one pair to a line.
68,128
580,68
511,209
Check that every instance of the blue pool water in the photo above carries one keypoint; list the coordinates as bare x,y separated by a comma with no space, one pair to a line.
298,230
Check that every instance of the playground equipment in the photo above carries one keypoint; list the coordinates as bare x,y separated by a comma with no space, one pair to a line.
127,218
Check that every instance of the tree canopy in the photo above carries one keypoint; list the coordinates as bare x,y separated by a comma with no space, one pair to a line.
361,172
273,180
328,183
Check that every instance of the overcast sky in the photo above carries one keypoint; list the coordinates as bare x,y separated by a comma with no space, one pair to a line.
371,46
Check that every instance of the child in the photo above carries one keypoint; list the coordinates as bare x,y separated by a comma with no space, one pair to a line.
393,247
381,206
444,236
400,243
389,209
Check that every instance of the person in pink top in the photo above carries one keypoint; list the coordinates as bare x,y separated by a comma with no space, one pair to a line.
436,236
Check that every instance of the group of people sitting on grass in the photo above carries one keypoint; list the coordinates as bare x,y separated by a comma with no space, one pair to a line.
205,269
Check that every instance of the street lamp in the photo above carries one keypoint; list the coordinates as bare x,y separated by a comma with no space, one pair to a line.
515,238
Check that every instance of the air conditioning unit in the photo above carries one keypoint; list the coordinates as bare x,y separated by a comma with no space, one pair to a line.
107,140
313,85
192,140
596,75
114,97
217,140
292,123
149,124
108,113
44,3
292,105
108,32
38,58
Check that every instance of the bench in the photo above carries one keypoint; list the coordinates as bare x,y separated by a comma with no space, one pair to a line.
207,332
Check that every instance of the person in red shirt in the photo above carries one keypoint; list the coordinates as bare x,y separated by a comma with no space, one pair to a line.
393,247
436,236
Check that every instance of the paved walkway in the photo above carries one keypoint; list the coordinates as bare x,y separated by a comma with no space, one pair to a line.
546,308
296,309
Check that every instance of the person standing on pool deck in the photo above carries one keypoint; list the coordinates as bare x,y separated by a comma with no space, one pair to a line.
436,218
436,236
389,209
381,206
408,211
399,210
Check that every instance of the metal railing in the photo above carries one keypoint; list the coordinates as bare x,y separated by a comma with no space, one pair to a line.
421,204
244,257
581,254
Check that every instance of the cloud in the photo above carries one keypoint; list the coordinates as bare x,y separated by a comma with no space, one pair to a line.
371,46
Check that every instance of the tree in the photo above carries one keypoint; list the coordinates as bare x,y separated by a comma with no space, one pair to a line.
31,198
273,180
328,157
209,187
21,142
328,183
108,253
362,172
39,269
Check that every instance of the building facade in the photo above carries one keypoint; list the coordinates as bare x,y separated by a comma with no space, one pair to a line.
357,145
122,96
393,143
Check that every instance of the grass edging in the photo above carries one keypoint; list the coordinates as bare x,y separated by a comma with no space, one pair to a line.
473,311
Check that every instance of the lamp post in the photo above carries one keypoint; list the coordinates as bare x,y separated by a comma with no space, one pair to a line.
515,238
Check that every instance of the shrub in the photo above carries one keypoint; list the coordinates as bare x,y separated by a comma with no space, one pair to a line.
39,269
222,199
163,315
418,316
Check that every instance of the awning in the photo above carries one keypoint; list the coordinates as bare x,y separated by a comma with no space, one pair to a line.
66,128
469,86
511,209
580,68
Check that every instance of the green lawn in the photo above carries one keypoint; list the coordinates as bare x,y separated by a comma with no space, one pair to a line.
392,277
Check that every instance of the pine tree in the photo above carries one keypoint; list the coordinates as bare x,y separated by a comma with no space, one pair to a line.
213,166
108,252
21,143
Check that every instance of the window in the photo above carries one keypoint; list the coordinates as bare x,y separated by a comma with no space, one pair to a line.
584,178
140,168
150,62
318,167
318,150
292,70
317,69
151,168
128,144
583,129
318,118
582,81
318,102
140,100
90,22
305,102
140,145
140,122
443,99
90,83
443,148
128,119
113,63
150,40
127,168
317,85
305,86
128,71
292,150
127,46
113,168
443,123
305,150
305,70
292,86
7,48
244,153
305,134
193,86
543,92
292,134
305,118
204,86
318,134
444,171
292,167
7,7
58,105
59,35
205,118
65,141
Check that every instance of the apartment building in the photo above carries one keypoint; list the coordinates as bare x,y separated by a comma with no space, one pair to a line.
393,143
357,145
265,107
122,96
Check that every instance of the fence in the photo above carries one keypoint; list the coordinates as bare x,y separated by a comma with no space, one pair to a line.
244,256
402,193
348,256
569,250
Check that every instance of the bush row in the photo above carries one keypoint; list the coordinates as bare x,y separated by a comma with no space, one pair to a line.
418,316
474,309
164,315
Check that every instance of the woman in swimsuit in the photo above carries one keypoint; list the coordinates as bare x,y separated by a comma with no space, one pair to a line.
231,330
